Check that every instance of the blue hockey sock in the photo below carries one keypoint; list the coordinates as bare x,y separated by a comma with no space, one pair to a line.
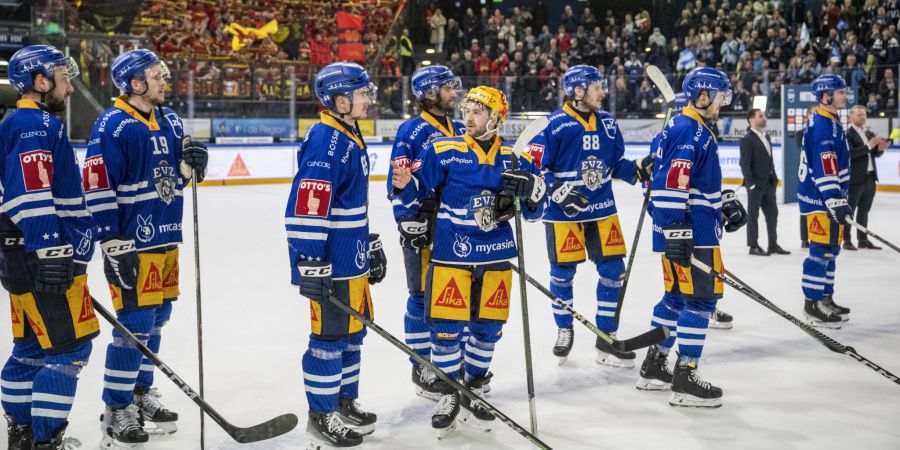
417,333
609,285
322,374
350,371
561,279
123,359
54,390
17,379
692,326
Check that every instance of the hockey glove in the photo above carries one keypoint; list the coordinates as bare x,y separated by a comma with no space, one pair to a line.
315,280
505,208
194,157
120,262
413,232
525,185
839,209
53,269
569,198
377,260
679,244
733,212
644,168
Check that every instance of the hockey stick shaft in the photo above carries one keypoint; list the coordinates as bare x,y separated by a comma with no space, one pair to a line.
825,340
199,304
646,339
879,238
267,430
464,391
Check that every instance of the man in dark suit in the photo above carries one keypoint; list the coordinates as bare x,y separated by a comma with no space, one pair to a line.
758,168
864,148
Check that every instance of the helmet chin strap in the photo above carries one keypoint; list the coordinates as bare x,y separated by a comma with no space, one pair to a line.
488,130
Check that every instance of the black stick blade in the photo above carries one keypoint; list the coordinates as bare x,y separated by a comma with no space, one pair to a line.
654,336
267,430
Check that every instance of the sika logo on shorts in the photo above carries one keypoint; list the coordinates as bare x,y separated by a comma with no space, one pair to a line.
37,169
679,176
829,164
94,174
313,198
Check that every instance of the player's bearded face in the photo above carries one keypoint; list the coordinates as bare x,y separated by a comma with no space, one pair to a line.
449,96
476,116
839,100
57,98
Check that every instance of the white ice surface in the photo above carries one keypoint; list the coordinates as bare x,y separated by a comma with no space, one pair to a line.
782,388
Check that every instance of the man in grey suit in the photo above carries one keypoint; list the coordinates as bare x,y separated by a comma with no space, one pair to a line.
758,168
864,148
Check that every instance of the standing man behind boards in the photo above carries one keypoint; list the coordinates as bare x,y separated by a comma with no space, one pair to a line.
864,148
758,168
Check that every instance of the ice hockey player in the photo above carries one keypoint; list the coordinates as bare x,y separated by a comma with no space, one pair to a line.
437,91
47,241
469,276
689,212
579,153
333,256
137,163
824,176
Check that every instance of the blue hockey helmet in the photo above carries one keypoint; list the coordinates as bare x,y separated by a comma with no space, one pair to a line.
37,58
342,78
133,64
582,76
427,81
827,84
681,100
709,80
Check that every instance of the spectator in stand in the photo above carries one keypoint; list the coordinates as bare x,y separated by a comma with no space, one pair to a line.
563,39
407,65
568,20
656,38
468,65
453,42
643,100
887,91
471,27
588,19
438,24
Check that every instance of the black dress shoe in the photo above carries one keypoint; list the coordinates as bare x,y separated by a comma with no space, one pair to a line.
758,251
849,245
777,250
869,245
804,244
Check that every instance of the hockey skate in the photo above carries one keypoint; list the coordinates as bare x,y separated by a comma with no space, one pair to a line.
156,419
565,337
690,391
327,431
121,429
609,356
818,314
842,311
58,441
476,415
721,320
361,421
425,379
19,436
445,414
655,372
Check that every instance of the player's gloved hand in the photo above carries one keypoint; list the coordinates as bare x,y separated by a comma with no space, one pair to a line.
679,244
567,196
413,232
194,156
644,168
315,279
120,262
53,269
839,209
525,185
377,260
733,211
505,208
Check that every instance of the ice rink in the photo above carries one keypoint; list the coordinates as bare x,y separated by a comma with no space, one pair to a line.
782,388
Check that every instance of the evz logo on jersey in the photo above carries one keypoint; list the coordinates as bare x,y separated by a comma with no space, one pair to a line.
679,176
610,126
313,198
164,179
829,163
537,154
482,207
37,169
592,171
94,175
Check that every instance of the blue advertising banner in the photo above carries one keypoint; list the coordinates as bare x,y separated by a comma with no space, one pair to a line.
277,128
13,37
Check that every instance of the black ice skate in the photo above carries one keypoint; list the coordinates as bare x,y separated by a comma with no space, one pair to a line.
444,418
721,320
58,441
477,415
655,372
565,337
818,314
326,431
19,436
155,418
609,356
424,379
362,422
689,390
121,429
842,311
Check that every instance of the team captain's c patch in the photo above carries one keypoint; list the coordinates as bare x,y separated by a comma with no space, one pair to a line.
313,198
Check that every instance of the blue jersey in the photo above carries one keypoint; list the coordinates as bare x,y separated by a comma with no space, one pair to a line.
824,171
40,183
587,154
327,212
413,137
131,175
686,187
466,231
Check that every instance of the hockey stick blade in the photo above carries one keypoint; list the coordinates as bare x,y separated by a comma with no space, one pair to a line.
644,340
266,430
533,129
659,80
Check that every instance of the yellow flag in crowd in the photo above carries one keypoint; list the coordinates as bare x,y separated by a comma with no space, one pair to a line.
244,36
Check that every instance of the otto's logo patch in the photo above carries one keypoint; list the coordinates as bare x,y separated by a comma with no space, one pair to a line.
313,198
94,175
417,164
829,163
37,169
679,176
537,154
402,161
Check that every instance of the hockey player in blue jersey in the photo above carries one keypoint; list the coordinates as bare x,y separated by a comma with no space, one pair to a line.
689,212
437,91
824,176
46,241
579,153
332,254
469,276
137,163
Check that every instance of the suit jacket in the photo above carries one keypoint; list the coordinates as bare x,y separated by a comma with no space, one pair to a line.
859,156
757,164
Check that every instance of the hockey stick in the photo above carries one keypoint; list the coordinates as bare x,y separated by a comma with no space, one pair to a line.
532,130
659,80
464,391
266,430
643,340
199,304
879,238
828,342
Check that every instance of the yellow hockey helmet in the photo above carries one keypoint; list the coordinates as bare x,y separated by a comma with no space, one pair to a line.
491,98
